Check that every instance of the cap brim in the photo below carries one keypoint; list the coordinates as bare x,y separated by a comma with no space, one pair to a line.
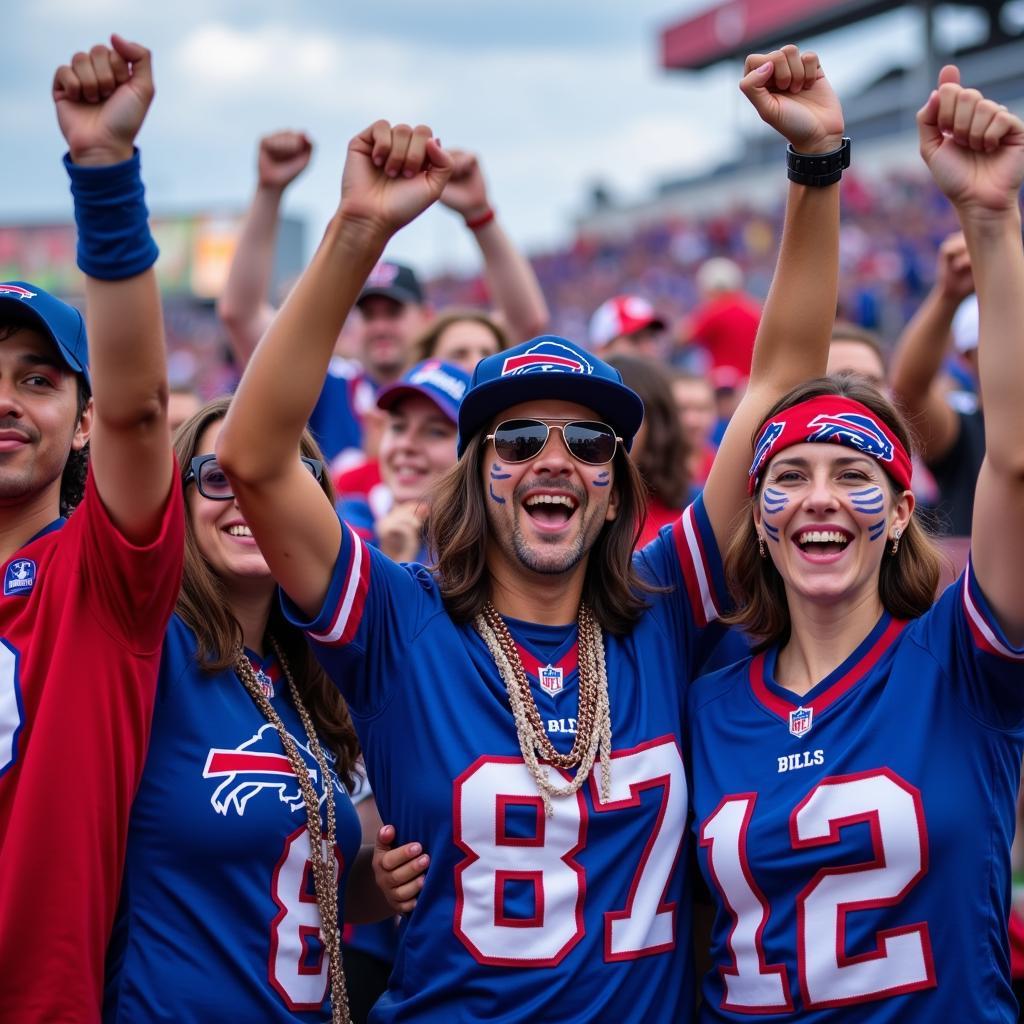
400,295
615,403
391,396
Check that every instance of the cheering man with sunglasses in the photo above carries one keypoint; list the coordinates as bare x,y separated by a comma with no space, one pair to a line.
520,702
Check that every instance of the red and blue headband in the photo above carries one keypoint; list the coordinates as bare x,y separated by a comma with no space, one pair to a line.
838,420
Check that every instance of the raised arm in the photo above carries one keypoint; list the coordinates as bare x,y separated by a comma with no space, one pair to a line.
244,308
915,376
514,287
101,100
293,521
790,92
974,149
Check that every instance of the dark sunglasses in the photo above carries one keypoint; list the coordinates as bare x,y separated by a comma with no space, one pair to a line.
587,440
211,481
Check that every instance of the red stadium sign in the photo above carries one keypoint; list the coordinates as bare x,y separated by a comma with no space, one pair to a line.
738,26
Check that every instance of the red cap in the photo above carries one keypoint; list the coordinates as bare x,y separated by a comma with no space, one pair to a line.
625,314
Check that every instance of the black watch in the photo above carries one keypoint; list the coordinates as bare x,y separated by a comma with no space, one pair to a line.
817,169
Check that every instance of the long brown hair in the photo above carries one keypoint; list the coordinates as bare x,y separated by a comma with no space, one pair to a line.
665,457
906,581
458,531
203,606
426,344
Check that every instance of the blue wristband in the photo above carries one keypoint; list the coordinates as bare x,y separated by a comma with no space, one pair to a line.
114,241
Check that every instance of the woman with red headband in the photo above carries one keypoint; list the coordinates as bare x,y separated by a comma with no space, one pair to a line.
858,850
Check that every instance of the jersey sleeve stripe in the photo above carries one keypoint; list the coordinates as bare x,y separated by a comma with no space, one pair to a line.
688,532
345,620
988,635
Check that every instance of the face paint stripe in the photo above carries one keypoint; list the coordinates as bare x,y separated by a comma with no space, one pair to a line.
496,473
876,530
494,497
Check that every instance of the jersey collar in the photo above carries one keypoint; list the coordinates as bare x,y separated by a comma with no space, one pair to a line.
780,702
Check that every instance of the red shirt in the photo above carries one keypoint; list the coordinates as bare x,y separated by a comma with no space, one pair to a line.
726,327
82,619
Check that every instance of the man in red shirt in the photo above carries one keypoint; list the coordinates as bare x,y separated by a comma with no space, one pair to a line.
725,323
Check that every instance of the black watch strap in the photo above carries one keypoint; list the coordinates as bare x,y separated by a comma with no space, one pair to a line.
817,169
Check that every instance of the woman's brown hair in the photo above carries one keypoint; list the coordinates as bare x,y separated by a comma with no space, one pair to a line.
425,345
458,531
203,606
664,459
906,580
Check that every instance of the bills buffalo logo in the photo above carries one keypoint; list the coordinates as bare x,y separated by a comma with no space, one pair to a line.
769,436
16,290
853,429
546,357
382,276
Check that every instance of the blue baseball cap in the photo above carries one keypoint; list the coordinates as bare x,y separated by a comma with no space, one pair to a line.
58,321
443,383
548,367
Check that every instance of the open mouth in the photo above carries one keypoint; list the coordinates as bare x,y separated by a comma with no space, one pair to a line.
551,511
823,542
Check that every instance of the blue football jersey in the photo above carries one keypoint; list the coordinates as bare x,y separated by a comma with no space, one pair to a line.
580,917
337,419
856,839
218,917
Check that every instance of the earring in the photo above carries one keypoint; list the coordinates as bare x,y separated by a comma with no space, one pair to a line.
896,534
760,546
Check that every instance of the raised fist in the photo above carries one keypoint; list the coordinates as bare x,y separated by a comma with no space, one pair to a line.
392,174
790,92
973,147
954,276
282,158
101,100
466,191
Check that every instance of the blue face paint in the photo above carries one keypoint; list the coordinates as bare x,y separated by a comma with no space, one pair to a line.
601,479
772,532
876,530
494,497
870,500
774,500
496,473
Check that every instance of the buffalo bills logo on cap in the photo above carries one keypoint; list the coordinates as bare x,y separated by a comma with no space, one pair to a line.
853,429
433,372
17,291
768,437
382,276
546,357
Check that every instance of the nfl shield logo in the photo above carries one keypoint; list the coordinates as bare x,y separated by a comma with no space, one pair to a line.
551,679
800,721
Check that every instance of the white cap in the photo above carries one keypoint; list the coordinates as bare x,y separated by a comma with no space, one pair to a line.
965,325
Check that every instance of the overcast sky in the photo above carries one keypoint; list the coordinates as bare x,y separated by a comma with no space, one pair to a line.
553,94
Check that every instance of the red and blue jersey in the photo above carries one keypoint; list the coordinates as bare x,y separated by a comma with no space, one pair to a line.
82,617
856,839
583,916
218,918
337,419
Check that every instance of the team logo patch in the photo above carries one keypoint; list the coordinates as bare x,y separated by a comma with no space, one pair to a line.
853,429
20,577
551,680
17,291
546,357
382,276
769,436
800,721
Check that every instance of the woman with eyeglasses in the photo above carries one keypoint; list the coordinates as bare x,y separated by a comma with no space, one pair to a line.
487,687
223,910
855,782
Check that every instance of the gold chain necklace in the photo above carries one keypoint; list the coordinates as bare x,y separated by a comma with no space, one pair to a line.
593,719
324,880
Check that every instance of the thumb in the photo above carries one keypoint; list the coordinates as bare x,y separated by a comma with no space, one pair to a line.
385,837
138,56
950,73
754,85
929,134
441,166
